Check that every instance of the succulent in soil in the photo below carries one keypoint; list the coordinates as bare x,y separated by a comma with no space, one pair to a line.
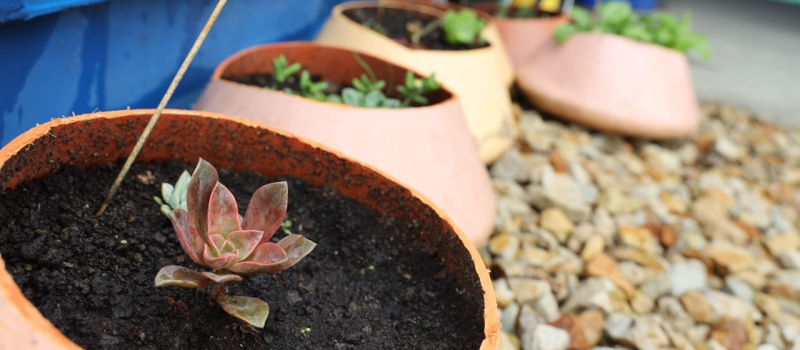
174,197
213,234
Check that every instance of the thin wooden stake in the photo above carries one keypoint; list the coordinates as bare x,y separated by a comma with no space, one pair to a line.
162,104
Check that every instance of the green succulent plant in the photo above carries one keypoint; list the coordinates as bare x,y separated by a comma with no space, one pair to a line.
619,18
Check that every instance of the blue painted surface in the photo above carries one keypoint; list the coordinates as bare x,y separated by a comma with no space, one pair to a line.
638,5
123,53
26,9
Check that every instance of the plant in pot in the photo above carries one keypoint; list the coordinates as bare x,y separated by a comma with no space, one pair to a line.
341,102
429,40
389,270
617,71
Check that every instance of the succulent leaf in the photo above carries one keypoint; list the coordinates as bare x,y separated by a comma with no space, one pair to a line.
264,258
178,197
221,278
267,209
296,247
179,276
245,241
254,311
198,194
191,241
166,191
223,214
220,261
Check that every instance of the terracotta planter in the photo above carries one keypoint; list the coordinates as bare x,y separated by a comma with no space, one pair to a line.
613,84
475,76
523,38
492,33
85,140
428,148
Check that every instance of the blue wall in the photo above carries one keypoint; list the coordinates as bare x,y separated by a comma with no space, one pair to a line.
123,53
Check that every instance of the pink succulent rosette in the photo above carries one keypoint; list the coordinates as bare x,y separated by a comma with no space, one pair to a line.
213,234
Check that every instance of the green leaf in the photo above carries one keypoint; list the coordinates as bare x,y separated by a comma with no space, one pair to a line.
373,99
637,32
253,311
360,86
353,97
462,27
615,12
334,98
391,103
563,32
581,17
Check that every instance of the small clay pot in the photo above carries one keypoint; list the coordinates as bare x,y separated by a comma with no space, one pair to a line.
523,38
613,84
476,76
428,148
108,137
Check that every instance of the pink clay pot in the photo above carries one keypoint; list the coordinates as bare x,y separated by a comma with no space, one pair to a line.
523,38
613,84
428,148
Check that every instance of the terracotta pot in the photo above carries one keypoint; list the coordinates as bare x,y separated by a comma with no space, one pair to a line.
613,84
523,38
186,135
428,148
474,75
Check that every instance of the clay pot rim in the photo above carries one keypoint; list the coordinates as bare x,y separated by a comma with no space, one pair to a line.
338,12
621,40
48,330
228,61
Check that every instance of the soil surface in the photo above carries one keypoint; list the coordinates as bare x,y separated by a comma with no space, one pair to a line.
393,23
367,285
292,82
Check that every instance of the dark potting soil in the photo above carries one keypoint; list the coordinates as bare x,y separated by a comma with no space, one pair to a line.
367,285
291,82
393,23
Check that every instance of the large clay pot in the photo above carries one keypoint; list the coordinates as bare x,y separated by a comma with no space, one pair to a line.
186,135
475,76
613,84
428,148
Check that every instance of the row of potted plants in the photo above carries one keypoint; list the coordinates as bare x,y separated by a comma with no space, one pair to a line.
379,258
392,113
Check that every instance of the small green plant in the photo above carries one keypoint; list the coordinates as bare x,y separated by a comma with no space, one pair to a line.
365,84
463,27
366,91
311,89
375,26
213,234
305,331
619,18
286,225
174,197
371,99
283,70
414,89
